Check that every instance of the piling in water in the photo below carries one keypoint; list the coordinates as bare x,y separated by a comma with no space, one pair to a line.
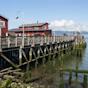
85,81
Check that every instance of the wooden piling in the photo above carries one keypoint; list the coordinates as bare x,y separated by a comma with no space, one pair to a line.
70,77
85,81
20,55
30,54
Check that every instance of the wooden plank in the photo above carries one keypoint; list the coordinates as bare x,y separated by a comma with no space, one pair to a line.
4,70
9,71
24,55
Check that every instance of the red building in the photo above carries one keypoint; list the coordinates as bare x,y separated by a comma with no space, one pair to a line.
4,29
36,29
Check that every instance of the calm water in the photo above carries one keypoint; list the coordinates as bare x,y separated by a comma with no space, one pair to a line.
84,63
81,61
69,61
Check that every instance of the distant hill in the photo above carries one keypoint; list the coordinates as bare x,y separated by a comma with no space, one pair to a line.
66,32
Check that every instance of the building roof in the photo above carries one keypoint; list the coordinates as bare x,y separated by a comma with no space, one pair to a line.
3,17
28,30
33,25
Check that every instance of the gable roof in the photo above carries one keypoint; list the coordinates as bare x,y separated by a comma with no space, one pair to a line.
27,30
33,25
3,17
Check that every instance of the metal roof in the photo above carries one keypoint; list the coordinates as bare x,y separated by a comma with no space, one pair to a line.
20,30
33,25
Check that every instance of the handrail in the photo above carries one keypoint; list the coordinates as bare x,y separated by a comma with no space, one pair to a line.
14,41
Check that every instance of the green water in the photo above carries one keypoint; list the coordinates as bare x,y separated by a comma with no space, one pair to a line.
51,70
51,74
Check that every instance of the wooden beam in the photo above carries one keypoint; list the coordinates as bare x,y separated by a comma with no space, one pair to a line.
8,60
24,55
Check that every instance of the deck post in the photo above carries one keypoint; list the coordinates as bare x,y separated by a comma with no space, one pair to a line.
33,41
8,40
38,53
85,81
45,40
0,41
16,40
41,40
36,64
30,54
23,36
50,51
28,39
70,77
54,39
20,55
44,59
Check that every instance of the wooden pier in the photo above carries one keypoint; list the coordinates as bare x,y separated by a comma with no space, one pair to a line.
16,51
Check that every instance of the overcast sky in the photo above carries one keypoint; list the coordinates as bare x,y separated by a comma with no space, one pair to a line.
59,13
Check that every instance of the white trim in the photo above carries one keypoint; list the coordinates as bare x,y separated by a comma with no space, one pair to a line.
2,24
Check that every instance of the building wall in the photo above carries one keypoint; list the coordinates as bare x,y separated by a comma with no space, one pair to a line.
5,29
42,33
35,30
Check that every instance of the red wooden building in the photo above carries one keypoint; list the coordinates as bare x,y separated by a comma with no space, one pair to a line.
4,30
36,29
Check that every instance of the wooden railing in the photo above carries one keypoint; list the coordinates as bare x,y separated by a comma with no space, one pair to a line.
15,41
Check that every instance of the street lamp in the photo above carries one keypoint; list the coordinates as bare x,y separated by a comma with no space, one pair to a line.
22,27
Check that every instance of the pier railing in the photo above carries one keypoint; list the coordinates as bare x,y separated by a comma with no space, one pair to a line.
14,41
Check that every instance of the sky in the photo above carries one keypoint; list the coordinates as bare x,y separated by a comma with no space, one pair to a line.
61,14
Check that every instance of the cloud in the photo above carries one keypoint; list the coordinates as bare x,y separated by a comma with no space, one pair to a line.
61,23
65,25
